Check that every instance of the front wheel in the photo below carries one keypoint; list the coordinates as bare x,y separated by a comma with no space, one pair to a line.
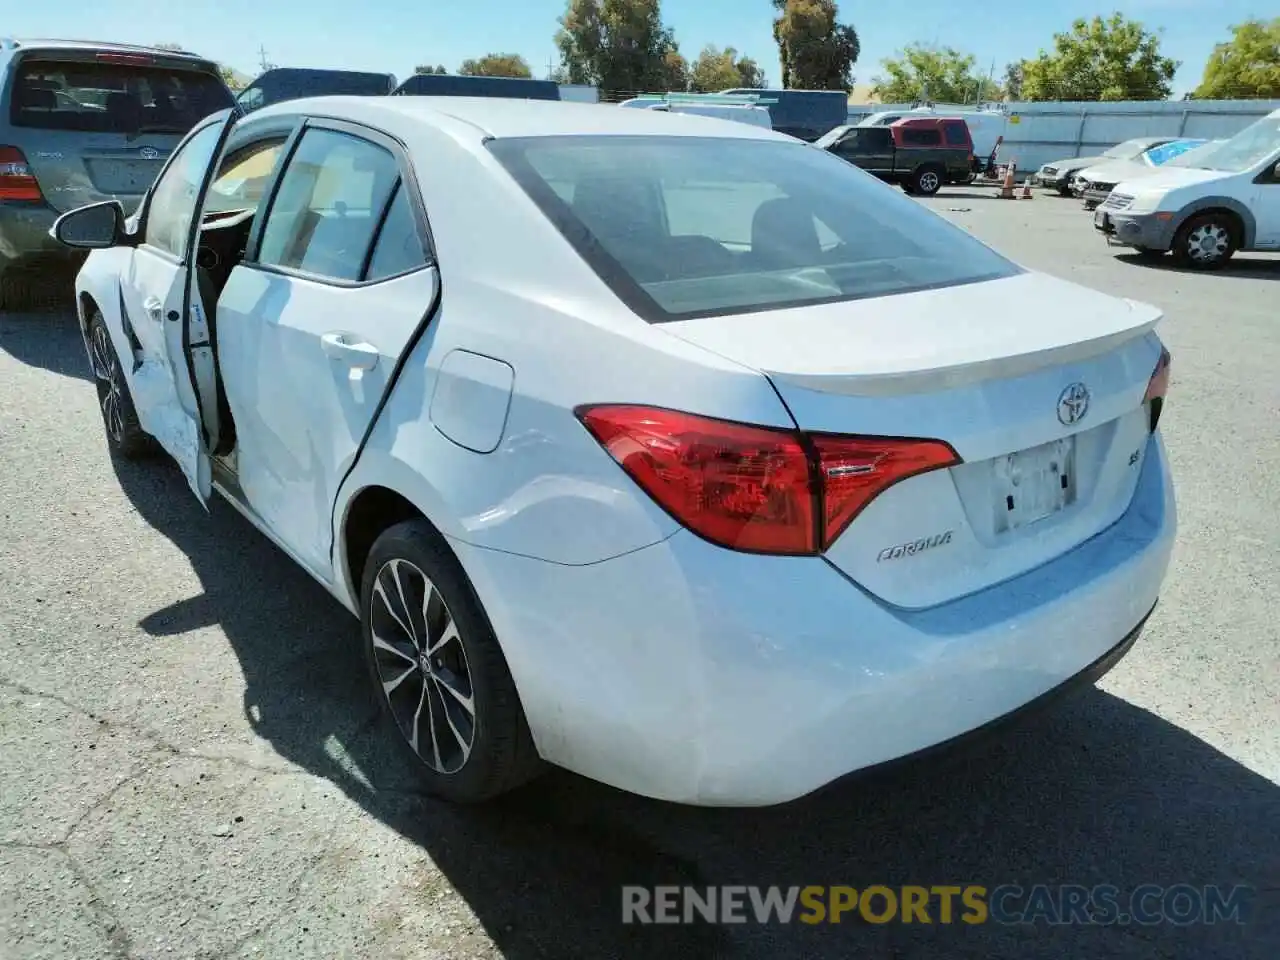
438,671
1205,242
125,435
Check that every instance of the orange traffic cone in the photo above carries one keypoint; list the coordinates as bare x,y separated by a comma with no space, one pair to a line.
1026,190
1006,191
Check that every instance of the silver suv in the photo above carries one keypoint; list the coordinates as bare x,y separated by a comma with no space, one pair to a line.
80,122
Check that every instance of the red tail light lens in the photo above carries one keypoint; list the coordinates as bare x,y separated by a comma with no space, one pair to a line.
1158,387
16,179
856,470
751,488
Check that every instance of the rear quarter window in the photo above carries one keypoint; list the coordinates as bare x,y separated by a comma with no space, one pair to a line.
921,137
957,134
90,97
683,227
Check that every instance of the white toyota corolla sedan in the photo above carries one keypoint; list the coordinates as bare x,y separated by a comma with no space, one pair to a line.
666,449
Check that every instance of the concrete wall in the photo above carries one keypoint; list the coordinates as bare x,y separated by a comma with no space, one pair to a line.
1035,133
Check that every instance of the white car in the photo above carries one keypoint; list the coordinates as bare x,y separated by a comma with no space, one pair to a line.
1093,184
1205,205
665,449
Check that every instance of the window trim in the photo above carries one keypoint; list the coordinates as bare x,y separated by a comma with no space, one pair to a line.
406,178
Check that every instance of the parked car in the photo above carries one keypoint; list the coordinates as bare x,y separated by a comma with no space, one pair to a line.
79,122
292,83
920,153
1093,184
1228,200
985,126
1057,174
803,114
455,85
618,430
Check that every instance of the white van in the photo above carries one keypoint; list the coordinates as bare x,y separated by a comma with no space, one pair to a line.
742,113
1228,201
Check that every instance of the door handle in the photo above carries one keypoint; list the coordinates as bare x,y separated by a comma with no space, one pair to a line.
354,353
154,308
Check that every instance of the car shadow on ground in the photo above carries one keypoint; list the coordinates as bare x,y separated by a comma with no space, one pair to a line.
1251,268
47,337
1095,791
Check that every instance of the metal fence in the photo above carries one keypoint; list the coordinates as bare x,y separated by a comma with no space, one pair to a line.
1036,133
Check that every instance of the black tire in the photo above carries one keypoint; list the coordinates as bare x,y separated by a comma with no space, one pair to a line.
1206,242
1064,185
927,180
413,558
125,435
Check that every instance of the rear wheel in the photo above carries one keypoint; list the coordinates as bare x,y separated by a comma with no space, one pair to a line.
125,435
438,671
927,181
1206,242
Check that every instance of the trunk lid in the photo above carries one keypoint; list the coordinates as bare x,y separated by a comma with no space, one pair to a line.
992,368
74,169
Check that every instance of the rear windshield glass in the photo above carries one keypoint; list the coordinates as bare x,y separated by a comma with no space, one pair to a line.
113,98
683,227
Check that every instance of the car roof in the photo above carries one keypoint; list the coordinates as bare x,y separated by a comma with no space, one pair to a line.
102,46
500,117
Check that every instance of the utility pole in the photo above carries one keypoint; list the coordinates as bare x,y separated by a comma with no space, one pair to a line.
262,58
550,68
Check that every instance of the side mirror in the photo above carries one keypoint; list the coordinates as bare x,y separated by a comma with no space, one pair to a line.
93,227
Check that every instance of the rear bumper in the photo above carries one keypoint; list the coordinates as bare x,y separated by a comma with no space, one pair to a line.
25,244
694,674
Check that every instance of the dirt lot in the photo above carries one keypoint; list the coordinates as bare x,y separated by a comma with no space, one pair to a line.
190,764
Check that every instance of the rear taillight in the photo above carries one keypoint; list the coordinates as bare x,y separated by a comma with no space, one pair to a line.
752,488
1158,387
16,180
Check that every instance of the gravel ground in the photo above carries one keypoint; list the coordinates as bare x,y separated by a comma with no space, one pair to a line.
190,764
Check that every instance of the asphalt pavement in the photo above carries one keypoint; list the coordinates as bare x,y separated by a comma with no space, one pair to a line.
191,764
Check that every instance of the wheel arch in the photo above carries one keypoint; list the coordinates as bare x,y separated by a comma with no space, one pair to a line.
1231,207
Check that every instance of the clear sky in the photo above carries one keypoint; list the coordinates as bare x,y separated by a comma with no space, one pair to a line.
395,35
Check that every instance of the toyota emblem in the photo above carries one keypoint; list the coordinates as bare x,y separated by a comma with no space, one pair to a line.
1073,404
149,153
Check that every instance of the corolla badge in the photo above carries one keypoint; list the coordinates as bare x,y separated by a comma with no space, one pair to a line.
149,153
1073,404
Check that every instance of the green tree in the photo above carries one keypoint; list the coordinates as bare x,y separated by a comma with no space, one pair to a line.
1014,75
429,69
750,73
497,65
1113,59
816,51
717,69
235,83
620,46
1246,66
922,72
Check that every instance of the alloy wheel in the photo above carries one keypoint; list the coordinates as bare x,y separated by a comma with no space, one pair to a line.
110,389
929,182
1208,242
422,666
